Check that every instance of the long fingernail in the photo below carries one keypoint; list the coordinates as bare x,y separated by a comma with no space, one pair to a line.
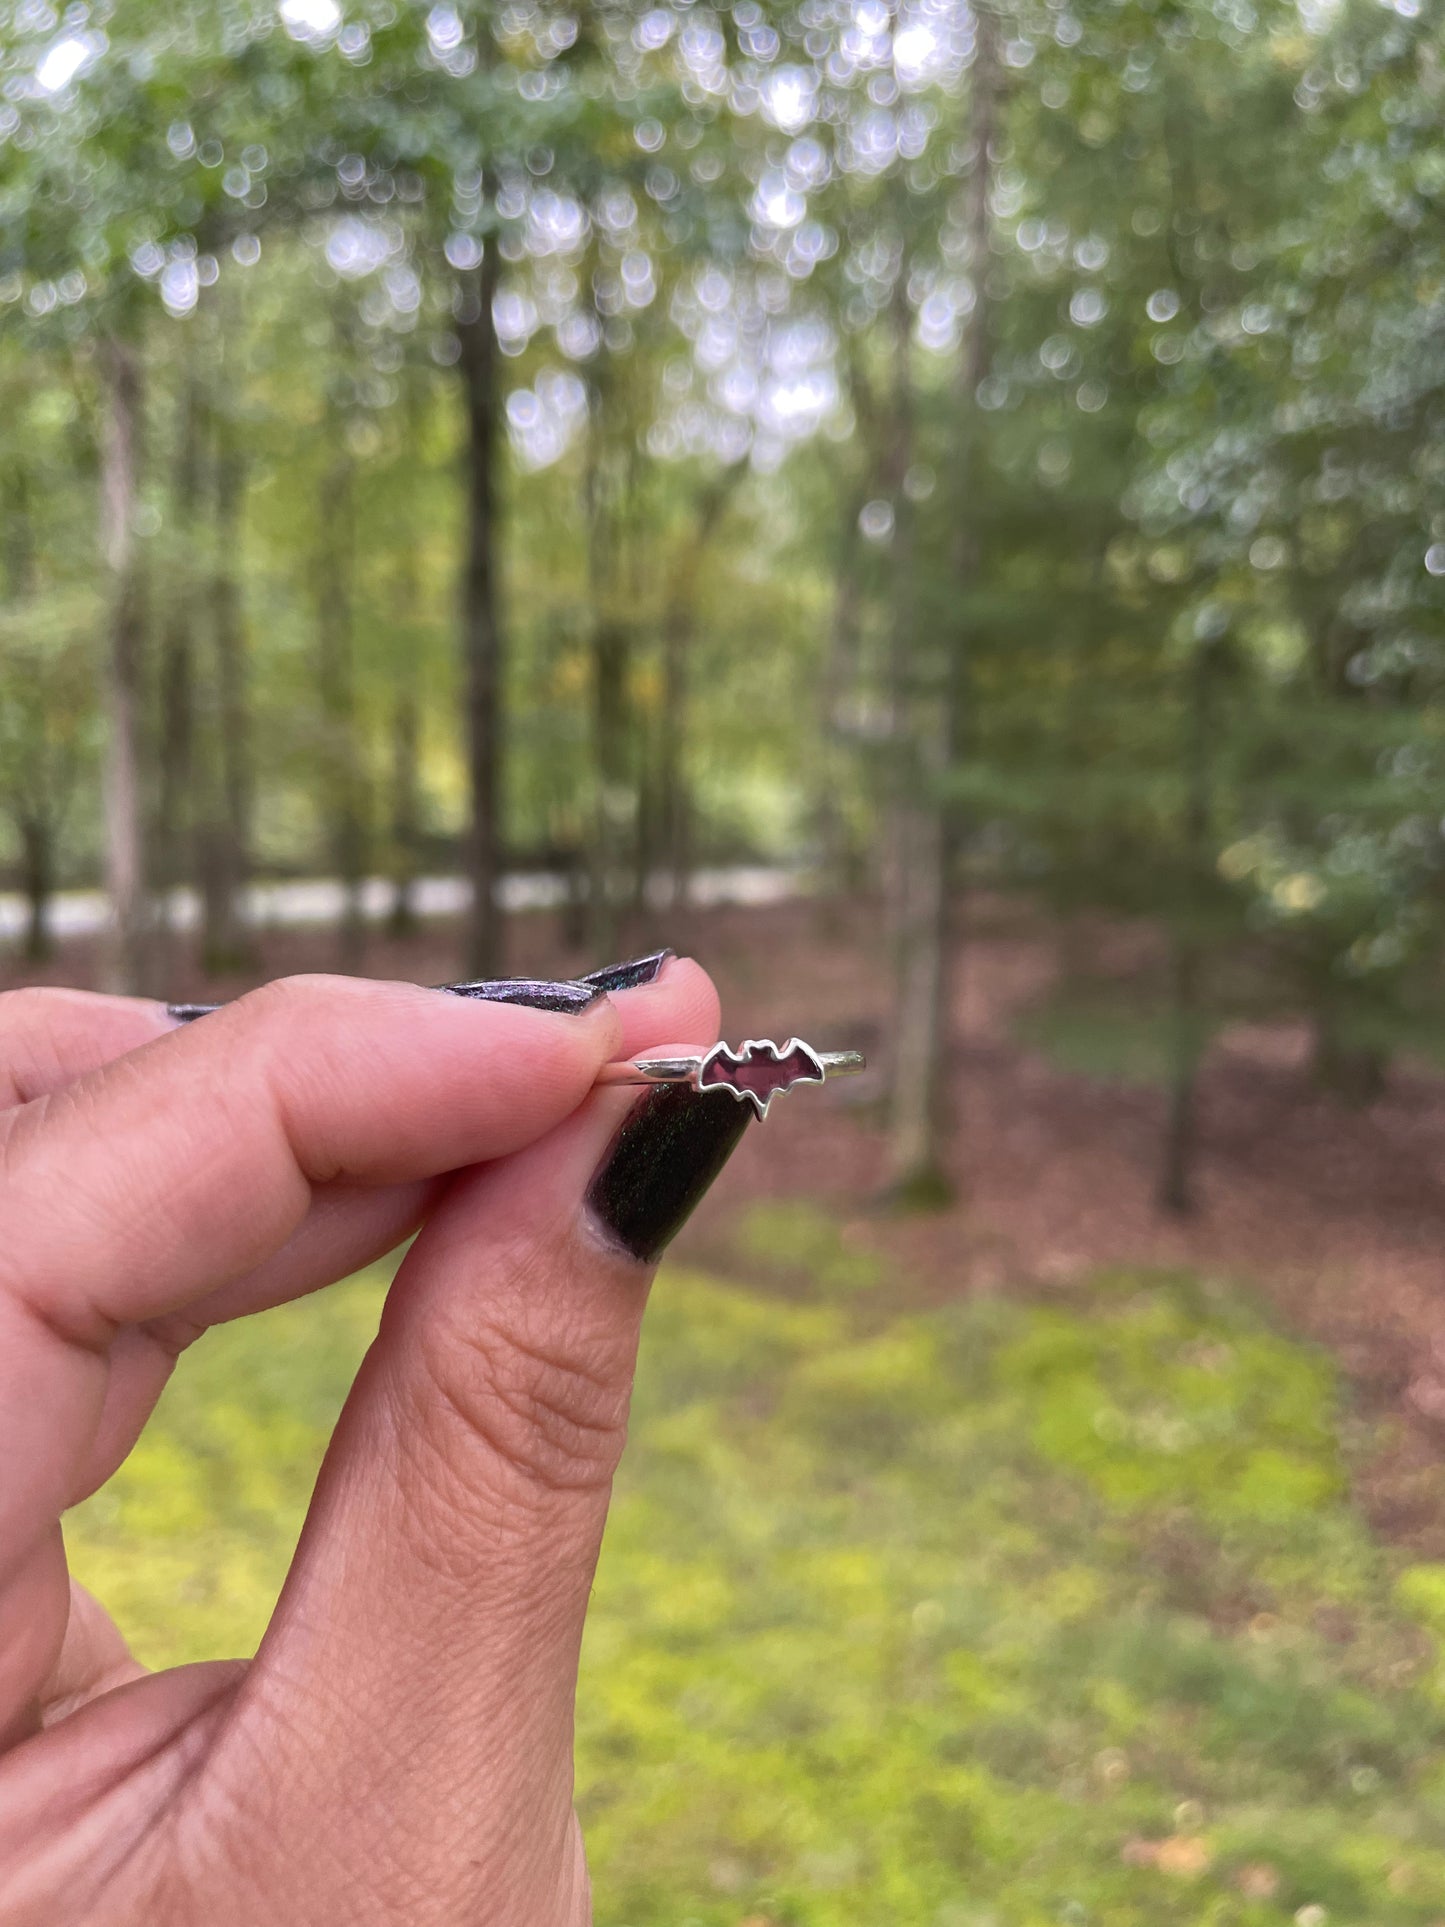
671,1146
536,993
627,976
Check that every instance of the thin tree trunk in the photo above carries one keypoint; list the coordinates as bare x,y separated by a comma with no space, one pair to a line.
37,860
837,852
482,642
614,796
1342,1066
611,648
338,696
647,817
574,908
178,799
226,942
674,799
637,745
18,533
405,811
125,844
679,635
35,801
920,1119
1176,1174
336,678
915,880
406,711
917,1175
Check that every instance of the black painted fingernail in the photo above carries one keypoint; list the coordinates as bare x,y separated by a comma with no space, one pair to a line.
188,1013
671,1146
535,992
627,976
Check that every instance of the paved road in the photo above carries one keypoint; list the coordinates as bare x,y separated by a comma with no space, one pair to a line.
82,913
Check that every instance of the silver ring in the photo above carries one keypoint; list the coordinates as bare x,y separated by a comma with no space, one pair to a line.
755,1073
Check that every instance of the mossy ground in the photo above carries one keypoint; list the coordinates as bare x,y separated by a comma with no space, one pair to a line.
1005,1616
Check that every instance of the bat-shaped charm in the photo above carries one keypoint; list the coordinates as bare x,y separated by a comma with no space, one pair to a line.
760,1070
755,1073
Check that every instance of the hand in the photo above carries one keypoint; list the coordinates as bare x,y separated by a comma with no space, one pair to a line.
400,1748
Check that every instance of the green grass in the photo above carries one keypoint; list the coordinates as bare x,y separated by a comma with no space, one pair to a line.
1009,1616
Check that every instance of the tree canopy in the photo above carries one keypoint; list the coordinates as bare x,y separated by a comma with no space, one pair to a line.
937,443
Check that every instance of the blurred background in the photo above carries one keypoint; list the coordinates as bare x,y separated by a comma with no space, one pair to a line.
939,511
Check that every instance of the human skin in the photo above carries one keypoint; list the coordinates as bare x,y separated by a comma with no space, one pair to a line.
399,1750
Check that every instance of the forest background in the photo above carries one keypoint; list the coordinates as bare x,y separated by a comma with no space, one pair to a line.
941,510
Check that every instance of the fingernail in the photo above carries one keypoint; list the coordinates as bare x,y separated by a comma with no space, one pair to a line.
535,992
627,976
671,1146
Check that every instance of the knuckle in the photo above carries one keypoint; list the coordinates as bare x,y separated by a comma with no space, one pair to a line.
519,1396
301,998
26,1020
303,1051
282,997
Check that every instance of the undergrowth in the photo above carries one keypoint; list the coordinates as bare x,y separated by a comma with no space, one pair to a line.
1003,1616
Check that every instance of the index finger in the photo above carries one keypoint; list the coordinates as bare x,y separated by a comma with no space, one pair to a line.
188,1161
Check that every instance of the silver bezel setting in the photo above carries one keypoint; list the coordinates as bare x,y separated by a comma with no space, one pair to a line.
745,1053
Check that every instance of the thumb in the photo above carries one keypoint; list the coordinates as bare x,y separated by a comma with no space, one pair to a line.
415,1689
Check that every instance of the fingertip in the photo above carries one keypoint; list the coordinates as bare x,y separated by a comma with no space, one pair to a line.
387,1081
681,1001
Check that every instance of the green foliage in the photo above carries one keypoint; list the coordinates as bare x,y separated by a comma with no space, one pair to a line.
1154,489
1006,1614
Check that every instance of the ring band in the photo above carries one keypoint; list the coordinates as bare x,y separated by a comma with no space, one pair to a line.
755,1073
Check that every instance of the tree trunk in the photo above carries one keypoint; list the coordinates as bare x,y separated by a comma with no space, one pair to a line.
17,531
673,801
574,906
336,679
612,858
482,644
226,940
125,845
647,818
915,884
36,802
178,799
407,803
405,812
347,835
1176,1173
1176,1176
611,648
838,857
1343,1067
37,862
928,848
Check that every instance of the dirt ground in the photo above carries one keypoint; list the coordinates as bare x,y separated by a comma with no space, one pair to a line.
1337,1216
